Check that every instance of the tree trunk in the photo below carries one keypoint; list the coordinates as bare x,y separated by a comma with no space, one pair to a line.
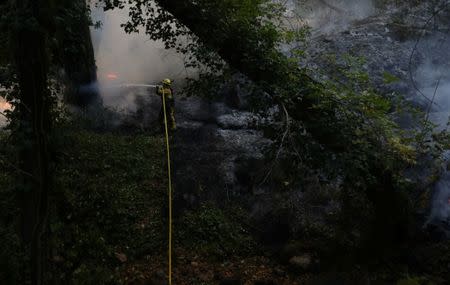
34,126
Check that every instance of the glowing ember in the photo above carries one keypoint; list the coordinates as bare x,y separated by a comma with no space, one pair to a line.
112,76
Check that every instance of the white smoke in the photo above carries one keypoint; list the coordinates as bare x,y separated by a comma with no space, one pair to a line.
440,208
328,16
436,87
432,78
123,58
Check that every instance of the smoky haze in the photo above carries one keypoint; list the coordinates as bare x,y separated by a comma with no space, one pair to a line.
433,79
432,76
123,58
328,16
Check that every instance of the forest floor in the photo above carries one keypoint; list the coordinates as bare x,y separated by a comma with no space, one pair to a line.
121,186
109,223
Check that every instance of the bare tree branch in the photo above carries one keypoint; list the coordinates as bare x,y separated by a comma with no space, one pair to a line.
280,148
432,100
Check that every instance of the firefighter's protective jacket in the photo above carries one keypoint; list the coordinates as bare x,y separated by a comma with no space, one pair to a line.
170,105
168,93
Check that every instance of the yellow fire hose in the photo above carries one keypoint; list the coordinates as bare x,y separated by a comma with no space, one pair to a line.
170,188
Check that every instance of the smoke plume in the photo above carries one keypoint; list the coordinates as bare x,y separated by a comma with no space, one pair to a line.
130,59
433,80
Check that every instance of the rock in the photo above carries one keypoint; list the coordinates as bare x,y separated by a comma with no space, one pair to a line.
302,262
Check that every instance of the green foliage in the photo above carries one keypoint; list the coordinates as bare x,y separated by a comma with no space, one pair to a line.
389,78
411,281
71,40
110,193
357,149
6,72
338,129
215,231
11,252
109,197
219,37
342,118
354,127
5,26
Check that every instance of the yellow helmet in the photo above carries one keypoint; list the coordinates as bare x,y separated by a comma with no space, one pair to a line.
167,81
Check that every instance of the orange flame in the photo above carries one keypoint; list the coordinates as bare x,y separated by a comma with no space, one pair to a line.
112,76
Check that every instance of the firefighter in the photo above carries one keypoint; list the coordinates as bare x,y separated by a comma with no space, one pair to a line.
167,91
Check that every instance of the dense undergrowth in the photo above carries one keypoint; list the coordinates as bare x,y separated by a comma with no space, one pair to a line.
109,226
107,185
109,210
